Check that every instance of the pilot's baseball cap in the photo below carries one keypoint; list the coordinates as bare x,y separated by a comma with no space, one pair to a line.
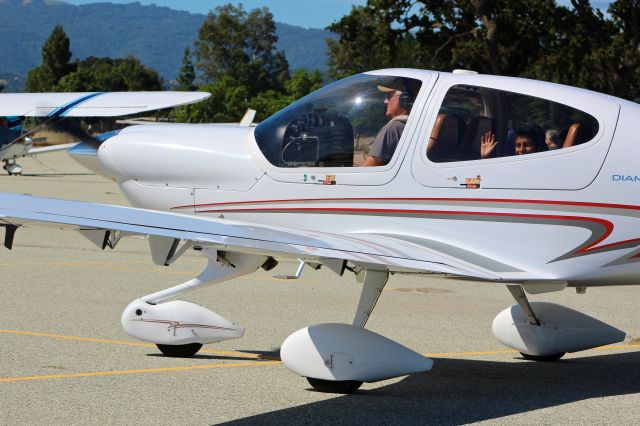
401,84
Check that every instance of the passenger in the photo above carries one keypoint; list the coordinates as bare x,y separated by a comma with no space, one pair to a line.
398,101
528,140
552,139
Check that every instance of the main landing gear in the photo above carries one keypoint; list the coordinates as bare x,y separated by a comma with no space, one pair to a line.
338,358
543,331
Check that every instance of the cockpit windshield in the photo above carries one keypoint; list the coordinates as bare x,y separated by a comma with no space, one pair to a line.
335,126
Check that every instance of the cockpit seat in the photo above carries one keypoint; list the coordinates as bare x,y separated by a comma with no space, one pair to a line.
470,147
445,136
577,134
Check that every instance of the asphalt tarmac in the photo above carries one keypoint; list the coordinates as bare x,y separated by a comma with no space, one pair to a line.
64,358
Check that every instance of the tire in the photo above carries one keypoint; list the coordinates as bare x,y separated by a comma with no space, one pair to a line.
180,351
338,386
543,358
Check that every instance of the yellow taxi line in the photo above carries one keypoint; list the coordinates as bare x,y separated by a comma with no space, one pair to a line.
137,371
211,366
250,355
119,342
508,351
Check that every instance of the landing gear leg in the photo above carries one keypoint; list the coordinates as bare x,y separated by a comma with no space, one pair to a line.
372,284
521,298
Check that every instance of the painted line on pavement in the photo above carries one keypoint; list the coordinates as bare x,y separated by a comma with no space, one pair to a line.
120,342
137,371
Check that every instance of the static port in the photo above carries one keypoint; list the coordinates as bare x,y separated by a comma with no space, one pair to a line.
138,312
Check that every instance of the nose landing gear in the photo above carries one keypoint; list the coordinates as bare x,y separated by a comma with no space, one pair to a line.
12,167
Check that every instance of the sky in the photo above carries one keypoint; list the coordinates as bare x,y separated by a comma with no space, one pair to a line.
303,13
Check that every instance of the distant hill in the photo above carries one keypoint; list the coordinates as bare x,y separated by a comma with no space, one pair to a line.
155,35
11,82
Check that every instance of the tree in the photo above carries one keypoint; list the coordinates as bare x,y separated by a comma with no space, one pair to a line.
57,74
226,104
56,55
110,75
368,38
230,99
187,73
232,42
302,83
236,52
575,45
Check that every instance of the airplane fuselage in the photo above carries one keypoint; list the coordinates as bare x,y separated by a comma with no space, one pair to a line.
567,214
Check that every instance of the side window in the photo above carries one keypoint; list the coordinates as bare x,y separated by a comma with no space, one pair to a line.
340,125
479,123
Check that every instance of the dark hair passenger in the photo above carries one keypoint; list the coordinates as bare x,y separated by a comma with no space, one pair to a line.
528,140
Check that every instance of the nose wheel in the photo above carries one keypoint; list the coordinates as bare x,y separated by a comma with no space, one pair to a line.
180,351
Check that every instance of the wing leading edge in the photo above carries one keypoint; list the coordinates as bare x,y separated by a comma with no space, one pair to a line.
94,104
371,251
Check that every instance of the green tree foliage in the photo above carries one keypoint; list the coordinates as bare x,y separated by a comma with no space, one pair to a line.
241,45
57,74
229,99
575,45
187,73
236,53
228,103
110,75
369,38
56,56
301,83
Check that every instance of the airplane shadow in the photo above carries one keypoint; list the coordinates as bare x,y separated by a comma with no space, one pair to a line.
459,391
214,357
53,174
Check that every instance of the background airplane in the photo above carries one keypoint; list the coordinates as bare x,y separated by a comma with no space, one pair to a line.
14,145
53,108
455,198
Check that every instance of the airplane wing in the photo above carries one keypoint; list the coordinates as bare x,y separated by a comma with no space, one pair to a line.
245,121
96,104
52,148
99,221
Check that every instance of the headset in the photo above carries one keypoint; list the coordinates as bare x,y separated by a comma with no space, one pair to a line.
406,100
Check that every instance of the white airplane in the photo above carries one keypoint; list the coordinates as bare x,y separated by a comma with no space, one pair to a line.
15,142
471,190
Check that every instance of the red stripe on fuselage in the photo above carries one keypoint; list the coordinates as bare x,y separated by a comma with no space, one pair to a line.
605,223
392,199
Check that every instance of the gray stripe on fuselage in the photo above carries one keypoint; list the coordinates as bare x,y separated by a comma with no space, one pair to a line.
458,253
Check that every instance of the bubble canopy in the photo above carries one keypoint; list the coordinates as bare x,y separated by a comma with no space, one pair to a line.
333,126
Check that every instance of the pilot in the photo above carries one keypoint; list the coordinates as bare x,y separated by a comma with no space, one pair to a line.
398,101
528,140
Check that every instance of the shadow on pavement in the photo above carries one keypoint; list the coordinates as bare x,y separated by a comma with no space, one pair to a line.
461,391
